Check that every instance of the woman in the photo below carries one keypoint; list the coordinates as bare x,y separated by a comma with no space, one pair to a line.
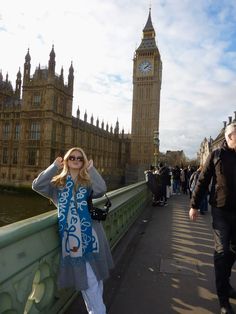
86,257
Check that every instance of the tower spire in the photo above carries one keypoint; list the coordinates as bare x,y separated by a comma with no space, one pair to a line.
148,41
27,67
78,113
71,78
52,62
18,84
62,75
148,30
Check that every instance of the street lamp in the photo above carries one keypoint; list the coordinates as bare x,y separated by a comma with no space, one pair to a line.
156,142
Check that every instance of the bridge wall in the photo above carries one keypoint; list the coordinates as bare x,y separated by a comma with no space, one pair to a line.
30,251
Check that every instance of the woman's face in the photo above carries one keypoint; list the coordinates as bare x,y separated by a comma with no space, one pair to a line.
75,160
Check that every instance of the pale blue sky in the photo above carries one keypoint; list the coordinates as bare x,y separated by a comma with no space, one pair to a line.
196,39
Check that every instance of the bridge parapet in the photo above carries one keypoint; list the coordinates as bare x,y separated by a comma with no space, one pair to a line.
30,251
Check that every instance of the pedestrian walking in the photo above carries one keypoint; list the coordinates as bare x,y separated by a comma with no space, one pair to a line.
165,181
176,180
203,207
183,180
189,174
153,182
85,257
220,171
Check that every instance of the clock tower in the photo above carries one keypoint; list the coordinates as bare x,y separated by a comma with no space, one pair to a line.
147,72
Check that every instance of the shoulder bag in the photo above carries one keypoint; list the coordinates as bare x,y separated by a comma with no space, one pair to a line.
96,212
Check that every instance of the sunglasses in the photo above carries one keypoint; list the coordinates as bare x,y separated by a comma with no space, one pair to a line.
73,158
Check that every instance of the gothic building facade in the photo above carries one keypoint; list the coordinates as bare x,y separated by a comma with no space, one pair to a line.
39,126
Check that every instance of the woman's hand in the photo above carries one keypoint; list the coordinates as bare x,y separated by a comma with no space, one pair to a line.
59,162
90,164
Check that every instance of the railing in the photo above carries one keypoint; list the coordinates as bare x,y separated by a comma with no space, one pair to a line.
30,250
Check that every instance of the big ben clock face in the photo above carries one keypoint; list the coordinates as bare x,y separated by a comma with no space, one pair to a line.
145,67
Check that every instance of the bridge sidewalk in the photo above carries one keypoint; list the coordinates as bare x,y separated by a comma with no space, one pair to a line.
163,265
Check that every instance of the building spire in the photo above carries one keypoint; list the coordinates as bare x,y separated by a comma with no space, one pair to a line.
149,27
78,113
27,57
91,119
71,78
117,127
27,67
18,84
62,75
85,116
52,62
148,40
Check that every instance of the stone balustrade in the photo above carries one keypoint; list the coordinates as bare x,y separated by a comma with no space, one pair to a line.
30,249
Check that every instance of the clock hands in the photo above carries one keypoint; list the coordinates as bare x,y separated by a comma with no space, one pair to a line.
145,66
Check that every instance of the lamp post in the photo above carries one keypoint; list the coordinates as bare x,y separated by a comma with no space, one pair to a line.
156,142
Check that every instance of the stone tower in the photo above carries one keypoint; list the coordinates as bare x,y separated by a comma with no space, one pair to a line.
147,72
46,112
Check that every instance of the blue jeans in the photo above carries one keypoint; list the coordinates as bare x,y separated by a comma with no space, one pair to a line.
224,230
204,204
176,186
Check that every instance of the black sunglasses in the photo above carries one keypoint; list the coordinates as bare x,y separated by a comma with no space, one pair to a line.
73,158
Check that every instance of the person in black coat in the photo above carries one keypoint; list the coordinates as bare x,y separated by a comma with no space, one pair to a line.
176,180
165,180
220,171
153,183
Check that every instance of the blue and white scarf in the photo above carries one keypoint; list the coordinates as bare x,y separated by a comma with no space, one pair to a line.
75,224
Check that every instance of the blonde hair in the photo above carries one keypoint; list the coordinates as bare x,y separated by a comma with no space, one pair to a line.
83,177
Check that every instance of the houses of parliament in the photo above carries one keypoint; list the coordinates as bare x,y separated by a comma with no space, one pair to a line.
37,125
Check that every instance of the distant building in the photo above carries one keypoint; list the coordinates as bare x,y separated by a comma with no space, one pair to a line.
175,158
39,126
205,149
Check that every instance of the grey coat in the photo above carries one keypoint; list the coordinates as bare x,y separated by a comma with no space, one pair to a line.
75,276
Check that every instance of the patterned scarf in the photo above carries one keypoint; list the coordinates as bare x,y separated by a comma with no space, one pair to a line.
75,225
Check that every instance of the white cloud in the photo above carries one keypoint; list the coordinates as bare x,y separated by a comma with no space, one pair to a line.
196,40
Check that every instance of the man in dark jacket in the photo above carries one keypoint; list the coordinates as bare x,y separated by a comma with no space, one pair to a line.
176,180
220,171
165,180
153,183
